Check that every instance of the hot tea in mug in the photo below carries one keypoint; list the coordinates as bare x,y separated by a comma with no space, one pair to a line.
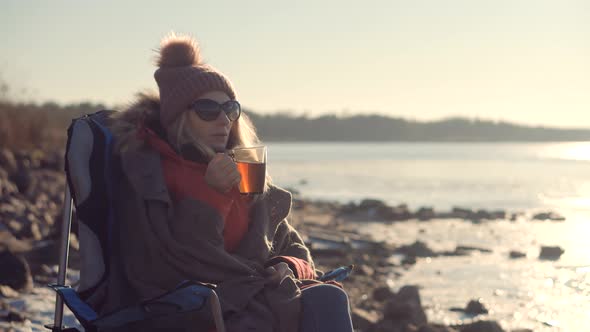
251,162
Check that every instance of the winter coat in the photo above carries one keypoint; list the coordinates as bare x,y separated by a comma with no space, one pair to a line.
157,243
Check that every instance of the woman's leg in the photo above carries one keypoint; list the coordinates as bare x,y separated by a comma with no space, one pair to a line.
325,308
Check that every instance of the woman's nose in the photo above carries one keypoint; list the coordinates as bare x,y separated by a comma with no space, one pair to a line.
222,118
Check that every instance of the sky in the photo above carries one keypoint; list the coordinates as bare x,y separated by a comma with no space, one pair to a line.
523,61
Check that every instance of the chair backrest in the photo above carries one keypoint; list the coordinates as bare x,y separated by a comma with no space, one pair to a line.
90,172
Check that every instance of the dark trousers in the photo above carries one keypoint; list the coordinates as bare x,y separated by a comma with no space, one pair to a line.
325,308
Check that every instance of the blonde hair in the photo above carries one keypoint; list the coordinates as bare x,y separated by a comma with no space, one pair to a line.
242,134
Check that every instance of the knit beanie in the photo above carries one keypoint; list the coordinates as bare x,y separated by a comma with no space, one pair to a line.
182,76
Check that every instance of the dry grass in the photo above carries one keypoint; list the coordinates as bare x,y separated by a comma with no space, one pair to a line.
32,126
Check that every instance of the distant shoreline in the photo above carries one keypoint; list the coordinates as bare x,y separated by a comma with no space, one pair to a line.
45,125
377,128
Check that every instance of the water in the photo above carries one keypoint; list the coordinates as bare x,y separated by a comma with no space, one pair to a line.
528,177
485,175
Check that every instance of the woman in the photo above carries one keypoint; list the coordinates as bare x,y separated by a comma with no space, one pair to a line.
180,215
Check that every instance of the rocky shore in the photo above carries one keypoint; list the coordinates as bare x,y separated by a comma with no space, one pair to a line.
335,241
31,199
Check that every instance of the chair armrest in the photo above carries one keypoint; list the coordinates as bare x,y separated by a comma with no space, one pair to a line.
83,312
187,297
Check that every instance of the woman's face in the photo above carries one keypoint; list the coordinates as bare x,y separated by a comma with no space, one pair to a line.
212,133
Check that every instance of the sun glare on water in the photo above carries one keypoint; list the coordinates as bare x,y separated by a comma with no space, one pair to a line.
578,151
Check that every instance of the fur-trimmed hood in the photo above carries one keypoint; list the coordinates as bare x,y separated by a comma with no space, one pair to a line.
145,110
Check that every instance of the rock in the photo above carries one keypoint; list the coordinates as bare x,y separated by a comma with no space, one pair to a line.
516,254
23,158
409,260
380,264
366,259
373,209
350,207
470,248
23,180
548,216
298,204
515,216
327,252
36,157
387,325
47,252
498,214
455,253
52,161
551,253
15,272
8,161
324,244
48,219
7,187
476,307
365,270
382,293
27,227
364,320
48,270
482,326
12,208
15,316
405,307
425,213
416,249
8,292
444,215
435,328
371,203
403,206
461,213
475,216
11,243
74,243
14,226
397,213
481,215
31,230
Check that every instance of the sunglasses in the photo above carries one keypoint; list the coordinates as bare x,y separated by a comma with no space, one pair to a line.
208,110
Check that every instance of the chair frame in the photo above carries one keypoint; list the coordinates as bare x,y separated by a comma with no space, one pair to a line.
64,251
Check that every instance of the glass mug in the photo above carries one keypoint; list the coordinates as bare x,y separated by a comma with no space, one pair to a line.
251,162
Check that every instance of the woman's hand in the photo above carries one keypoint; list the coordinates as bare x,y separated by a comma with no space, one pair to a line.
222,173
278,272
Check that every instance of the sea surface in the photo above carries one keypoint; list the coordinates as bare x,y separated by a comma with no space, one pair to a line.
517,177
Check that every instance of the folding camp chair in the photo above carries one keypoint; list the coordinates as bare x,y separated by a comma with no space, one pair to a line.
90,171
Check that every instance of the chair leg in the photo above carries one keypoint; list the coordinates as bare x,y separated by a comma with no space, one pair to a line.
63,255
216,310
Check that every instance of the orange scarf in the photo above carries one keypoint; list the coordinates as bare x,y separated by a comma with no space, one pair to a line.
186,179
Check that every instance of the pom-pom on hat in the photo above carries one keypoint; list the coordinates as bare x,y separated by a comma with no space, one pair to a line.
182,76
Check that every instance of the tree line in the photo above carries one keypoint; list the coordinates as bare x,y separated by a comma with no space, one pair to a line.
284,127
25,125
